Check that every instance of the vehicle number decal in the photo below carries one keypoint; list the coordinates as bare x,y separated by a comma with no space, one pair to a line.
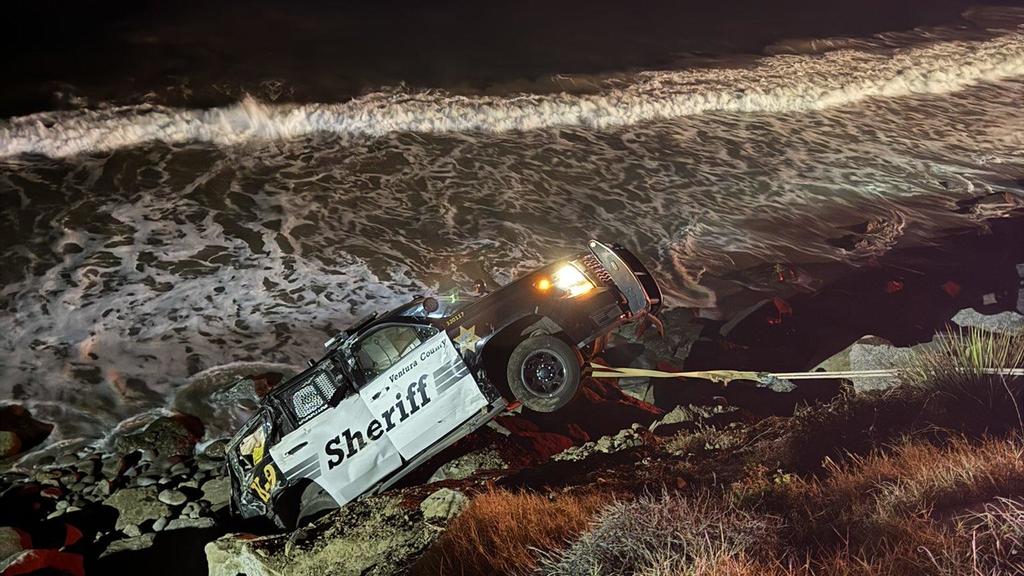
263,484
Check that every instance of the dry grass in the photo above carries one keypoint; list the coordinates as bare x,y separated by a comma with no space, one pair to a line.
669,534
916,509
502,532
927,479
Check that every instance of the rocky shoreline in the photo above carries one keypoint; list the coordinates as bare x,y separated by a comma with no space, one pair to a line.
158,493
155,492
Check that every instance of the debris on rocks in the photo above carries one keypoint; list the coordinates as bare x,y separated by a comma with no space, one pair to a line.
464,466
624,440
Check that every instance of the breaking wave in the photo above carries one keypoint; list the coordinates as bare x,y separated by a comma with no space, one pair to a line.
780,83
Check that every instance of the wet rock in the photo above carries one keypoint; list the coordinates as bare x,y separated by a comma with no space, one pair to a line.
239,554
194,523
217,449
111,466
13,541
207,465
10,444
44,561
143,481
135,506
688,417
89,467
134,544
172,497
1008,322
443,505
167,435
19,431
624,440
51,492
67,460
466,465
870,353
160,524
102,488
179,469
47,455
217,492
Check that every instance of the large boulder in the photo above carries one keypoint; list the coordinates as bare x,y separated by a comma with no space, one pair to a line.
13,541
1008,322
167,434
19,431
43,562
135,506
217,491
371,536
10,444
870,353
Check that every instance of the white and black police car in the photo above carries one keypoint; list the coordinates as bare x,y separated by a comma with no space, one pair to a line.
397,388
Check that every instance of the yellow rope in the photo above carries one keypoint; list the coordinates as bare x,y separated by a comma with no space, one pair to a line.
726,376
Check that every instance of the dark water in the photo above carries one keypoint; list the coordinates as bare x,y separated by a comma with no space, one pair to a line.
144,244
198,54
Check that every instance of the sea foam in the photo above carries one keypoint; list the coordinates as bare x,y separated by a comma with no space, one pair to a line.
780,83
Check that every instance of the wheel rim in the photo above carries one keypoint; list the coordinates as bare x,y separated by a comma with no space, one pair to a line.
543,372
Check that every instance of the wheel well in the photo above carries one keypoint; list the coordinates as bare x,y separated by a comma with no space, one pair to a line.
499,347
286,506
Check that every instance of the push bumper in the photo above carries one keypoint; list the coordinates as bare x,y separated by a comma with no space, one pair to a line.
629,275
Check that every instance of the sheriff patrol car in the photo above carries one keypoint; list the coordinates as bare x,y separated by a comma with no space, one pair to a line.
395,389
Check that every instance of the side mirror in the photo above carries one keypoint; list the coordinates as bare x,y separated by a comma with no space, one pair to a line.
430,305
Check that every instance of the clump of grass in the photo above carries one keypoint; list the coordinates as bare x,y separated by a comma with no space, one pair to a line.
668,534
956,376
991,542
502,532
906,510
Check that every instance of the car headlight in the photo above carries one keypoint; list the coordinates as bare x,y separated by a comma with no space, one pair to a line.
571,282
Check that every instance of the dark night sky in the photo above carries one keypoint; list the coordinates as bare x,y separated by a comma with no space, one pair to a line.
110,50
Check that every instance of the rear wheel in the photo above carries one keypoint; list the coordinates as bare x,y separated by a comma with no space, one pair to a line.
544,373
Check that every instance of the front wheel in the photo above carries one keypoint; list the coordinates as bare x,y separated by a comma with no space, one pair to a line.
314,503
544,373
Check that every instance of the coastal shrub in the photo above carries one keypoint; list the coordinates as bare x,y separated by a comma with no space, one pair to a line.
502,532
953,377
666,534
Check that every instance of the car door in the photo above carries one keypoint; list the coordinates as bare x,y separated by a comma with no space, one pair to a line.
417,383
340,447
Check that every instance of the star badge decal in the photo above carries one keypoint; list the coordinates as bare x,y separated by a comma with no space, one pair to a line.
467,339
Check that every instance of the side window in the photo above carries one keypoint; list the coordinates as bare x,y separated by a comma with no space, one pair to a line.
382,348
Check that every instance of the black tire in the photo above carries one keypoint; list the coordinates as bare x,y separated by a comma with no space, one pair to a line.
314,502
544,373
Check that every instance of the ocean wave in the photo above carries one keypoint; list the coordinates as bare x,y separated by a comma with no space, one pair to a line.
780,83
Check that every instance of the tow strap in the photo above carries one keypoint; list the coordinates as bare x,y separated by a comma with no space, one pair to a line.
726,376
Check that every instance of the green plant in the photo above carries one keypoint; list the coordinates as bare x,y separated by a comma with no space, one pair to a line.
959,373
